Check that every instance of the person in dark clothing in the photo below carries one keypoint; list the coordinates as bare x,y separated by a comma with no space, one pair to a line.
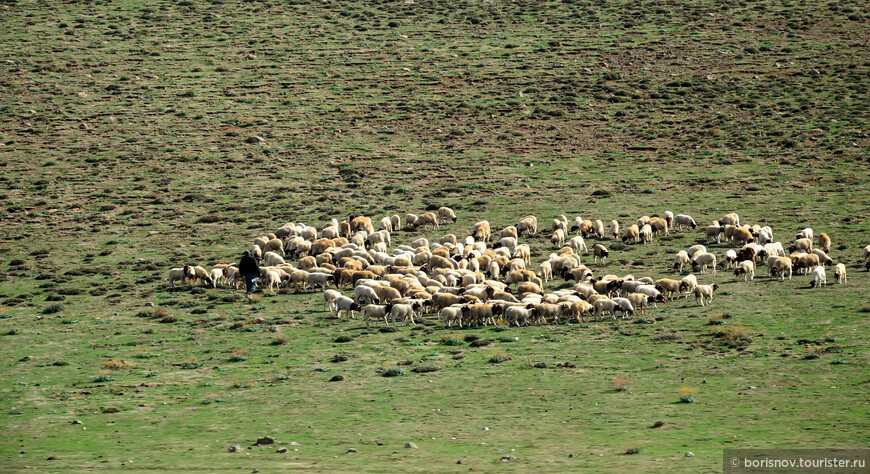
249,269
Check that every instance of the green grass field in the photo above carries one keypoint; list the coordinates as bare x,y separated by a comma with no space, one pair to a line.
124,152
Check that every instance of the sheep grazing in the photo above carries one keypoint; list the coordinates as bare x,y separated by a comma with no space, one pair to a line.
729,219
779,266
481,231
605,305
632,232
614,229
818,278
659,226
684,220
587,228
646,233
558,238
626,307
528,225
346,305
599,228
577,244
745,268
449,315
801,245
702,261
669,218
426,219
545,271
714,232
179,274
600,252
559,223
730,258
867,258
446,214
825,242
806,262
329,297
410,219
681,260
704,294
740,236
840,273
199,274
805,234
642,221
688,284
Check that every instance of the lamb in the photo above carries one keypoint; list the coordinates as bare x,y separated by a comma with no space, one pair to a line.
824,259
729,219
803,245
779,266
669,218
318,279
825,242
818,278
704,294
684,220
375,311
652,292
558,223
741,236
805,234
614,229
545,271
600,252
481,231
840,273
528,225
625,305
714,232
646,233
640,301
745,268
605,305
270,279
667,287
702,261
179,274
558,238
632,232
806,262
576,310
446,214
346,305
730,258
524,252
681,260
450,315
272,259
577,244
403,310
695,249
329,297
599,228
688,284
216,275
361,292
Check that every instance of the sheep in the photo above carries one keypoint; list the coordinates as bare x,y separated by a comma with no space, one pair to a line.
695,249
446,214
818,278
272,259
646,233
545,271
449,315
652,292
806,262
867,258
730,258
605,305
774,249
680,261
329,297
527,225
625,305
667,286
368,293
578,274
395,222
478,313
529,288
374,311
216,275
403,310
681,220
642,221
803,245
639,301
358,223
410,219
631,232
824,259
825,242
729,219
600,252
659,226
704,294
745,268
481,231
714,232
558,223
779,266
270,279
273,245
599,228
702,261
524,252
346,305
740,236
443,300
199,274
840,273
805,234
688,284
577,244
179,274
747,253
318,279
558,238
614,229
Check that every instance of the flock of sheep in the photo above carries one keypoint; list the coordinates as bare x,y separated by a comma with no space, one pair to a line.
467,282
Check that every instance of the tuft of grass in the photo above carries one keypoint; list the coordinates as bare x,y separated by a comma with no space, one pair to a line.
239,355
687,394
426,369
620,384
394,371
119,364
279,341
343,338
451,341
498,358
53,308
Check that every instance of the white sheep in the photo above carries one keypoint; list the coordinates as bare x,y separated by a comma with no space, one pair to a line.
730,258
704,294
681,220
272,259
625,305
818,278
695,249
646,233
688,284
346,305
329,297
867,257
446,214
374,311
385,224
681,260
517,314
403,310
558,238
805,234
729,219
179,274
599,228
614,229
577,244
216,276
745,268
600,252
840,273
316,279
669,218
368,293
703,260
605,305
450,315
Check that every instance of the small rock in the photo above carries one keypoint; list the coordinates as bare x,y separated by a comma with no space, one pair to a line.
410,445
690,454
282,450
571,455
294,443
76,422
149,304
352,450
256,140
752,387
459,461
507,458
259,320
234,449
265,440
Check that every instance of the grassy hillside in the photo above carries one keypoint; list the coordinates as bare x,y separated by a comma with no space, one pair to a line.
128,148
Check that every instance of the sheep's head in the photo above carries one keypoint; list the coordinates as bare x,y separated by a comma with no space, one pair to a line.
715,286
